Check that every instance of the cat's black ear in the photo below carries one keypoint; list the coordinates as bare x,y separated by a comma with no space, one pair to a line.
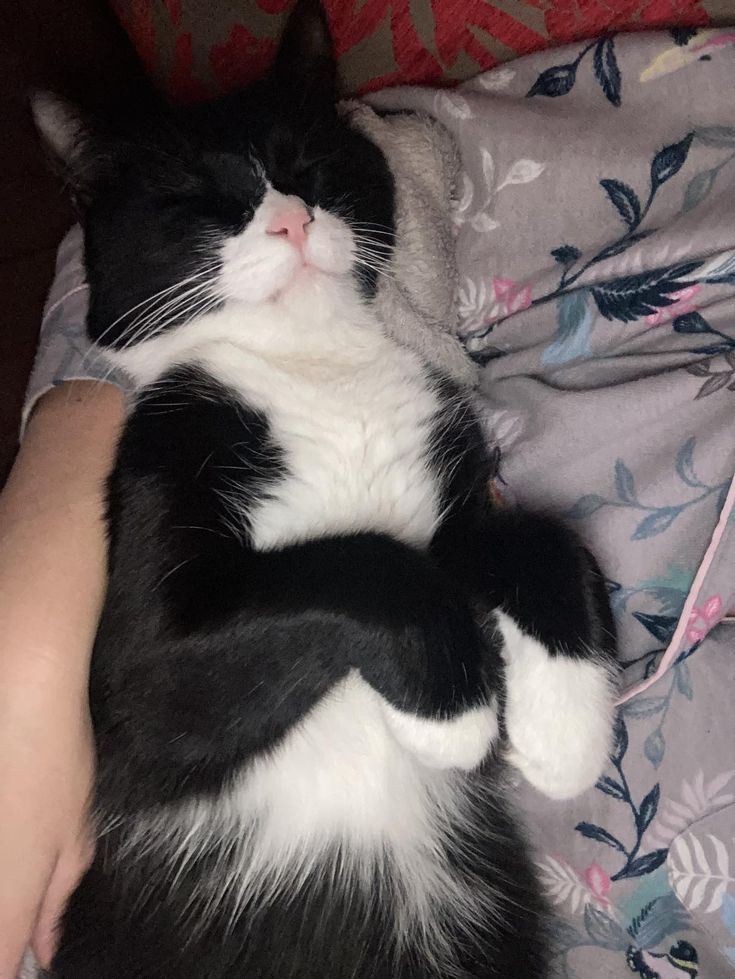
66,135
306,56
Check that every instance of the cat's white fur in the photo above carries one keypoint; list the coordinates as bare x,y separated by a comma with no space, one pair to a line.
353,413
558,714
341,793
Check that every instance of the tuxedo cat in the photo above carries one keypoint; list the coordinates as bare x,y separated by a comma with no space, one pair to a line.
321,645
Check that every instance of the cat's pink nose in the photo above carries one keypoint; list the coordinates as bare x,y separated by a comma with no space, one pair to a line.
291,221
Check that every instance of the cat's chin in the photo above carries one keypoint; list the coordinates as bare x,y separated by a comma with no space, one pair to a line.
311,283
301,283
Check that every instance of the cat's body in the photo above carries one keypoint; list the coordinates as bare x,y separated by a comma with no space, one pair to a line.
297,680
349,409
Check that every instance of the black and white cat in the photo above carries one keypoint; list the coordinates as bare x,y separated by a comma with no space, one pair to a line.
316,624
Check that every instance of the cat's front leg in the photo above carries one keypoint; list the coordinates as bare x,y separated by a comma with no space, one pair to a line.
547,600
441,701
559,706
437,671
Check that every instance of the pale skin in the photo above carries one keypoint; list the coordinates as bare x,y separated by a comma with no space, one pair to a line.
52,583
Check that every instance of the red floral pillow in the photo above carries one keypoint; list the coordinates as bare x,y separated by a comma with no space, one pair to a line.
195,48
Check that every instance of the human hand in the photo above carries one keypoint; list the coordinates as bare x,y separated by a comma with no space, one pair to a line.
46,774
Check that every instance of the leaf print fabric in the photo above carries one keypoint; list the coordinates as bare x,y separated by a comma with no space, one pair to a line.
699,870
621,358
560,79
609,396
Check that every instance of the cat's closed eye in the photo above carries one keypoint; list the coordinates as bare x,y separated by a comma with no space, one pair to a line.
221,212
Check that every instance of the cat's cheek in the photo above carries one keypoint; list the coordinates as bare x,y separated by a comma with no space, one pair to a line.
330,247
331,256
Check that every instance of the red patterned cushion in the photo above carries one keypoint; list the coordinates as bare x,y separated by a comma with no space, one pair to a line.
195,48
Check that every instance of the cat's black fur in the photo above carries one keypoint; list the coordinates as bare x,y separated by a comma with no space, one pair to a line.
178,708
192,673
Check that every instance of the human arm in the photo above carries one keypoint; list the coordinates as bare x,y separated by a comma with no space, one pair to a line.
52,582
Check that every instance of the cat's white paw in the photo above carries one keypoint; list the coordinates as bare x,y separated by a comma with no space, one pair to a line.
559,714
461,742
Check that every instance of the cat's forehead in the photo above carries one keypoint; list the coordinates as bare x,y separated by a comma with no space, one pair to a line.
264,111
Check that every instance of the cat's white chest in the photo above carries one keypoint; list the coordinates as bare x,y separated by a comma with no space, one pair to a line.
355,437
356,450
350,412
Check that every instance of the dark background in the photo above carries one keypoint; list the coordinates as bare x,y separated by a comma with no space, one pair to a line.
76,47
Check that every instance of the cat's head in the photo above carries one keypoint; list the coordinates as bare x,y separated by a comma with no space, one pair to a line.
235,200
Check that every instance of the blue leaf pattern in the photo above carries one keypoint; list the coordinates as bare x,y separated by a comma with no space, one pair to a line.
643,865
648,809
661,627
572,339
684,681
610,787
609,251
566,254
625,200
685,463
644,706
624,482
604,930
656,523
670,602
593,832
654,747
669,161
633,296
560,79
664,916
691,323
621,740
554,81
607,71
727,912
698,188
586,506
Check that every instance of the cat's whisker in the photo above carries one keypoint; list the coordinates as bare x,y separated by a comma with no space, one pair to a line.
190,311
168,309
138,326
205,304
154,297
193,281
374,257
374,229
363,268
374,247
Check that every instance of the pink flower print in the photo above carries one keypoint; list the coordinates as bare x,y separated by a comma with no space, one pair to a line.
511,297
598,883
701,620
680,306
